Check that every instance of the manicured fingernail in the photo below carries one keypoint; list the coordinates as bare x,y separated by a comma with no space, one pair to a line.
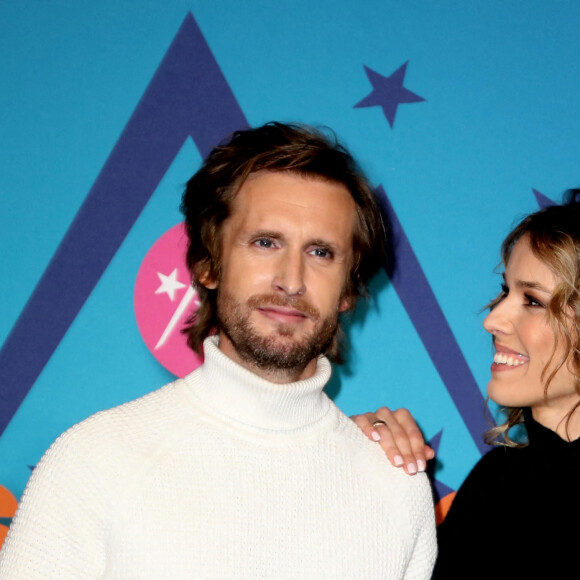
421,465
411,468
375,436
398,460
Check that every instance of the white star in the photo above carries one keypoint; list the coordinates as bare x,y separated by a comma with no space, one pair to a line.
169,284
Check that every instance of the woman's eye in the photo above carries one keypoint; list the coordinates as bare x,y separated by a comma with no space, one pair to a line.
531,301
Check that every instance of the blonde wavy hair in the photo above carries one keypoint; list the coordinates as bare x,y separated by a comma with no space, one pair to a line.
554,237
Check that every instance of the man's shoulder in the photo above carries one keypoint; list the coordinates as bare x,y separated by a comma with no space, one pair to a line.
128,425
368,455
404,500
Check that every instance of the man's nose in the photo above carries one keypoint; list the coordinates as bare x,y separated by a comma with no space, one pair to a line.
289,276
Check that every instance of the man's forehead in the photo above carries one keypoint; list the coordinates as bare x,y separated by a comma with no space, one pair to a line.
282,191
268,181
282,203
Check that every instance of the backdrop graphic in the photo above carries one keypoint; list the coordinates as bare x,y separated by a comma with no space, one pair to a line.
461,113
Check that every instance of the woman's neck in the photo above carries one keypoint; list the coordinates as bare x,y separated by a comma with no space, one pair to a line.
557,421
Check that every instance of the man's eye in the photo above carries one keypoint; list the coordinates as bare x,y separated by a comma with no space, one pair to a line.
321,253
264,243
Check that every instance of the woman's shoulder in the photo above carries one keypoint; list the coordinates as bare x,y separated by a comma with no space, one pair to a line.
495,468
501,457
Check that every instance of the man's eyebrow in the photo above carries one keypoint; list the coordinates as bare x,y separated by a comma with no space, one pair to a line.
265,234
321,242
333,246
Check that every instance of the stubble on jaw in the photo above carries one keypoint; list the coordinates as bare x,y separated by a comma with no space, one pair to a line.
276,354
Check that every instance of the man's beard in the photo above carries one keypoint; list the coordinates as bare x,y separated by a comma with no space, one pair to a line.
277,351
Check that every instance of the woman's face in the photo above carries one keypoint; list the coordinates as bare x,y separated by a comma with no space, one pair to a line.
524,342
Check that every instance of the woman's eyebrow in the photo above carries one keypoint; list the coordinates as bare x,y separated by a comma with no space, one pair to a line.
532,286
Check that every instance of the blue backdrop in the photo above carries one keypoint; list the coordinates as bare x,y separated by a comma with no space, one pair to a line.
462,113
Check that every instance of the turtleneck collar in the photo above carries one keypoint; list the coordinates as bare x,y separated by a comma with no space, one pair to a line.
545,440
243,397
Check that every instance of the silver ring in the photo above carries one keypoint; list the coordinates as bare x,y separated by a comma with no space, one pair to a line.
379,422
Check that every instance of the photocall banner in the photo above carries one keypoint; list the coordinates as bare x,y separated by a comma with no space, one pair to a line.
463,114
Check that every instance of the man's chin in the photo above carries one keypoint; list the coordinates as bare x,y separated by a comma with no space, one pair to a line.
278,352
272,329
266,344
282,345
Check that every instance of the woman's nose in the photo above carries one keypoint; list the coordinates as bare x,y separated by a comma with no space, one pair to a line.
498,321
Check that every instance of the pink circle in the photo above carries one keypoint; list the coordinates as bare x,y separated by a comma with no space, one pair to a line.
164,300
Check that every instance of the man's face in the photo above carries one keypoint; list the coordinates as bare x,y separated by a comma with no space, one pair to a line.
286,257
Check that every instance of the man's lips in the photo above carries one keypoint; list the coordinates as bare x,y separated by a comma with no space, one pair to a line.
283,309
506,358
282,314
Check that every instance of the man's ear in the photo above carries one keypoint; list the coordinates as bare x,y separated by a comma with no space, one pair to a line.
346,303
202,273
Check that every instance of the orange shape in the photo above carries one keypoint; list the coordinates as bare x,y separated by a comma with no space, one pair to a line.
3,532
442,507
8,503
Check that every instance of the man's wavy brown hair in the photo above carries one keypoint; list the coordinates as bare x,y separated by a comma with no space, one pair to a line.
207,204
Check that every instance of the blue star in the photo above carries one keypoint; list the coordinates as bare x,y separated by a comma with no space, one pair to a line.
440,489
388,92
542,200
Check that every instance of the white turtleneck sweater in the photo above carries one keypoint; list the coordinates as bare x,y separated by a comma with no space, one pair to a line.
221,475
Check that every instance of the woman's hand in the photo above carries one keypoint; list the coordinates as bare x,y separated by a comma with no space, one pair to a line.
399,437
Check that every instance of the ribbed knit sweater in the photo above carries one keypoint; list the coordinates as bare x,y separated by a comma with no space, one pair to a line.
221,475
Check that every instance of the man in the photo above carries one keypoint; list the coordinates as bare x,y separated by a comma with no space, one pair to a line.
244,469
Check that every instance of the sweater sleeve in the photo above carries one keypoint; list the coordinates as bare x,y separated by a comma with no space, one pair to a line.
425,548
58,530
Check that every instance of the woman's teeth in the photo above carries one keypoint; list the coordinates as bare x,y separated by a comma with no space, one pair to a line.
502,358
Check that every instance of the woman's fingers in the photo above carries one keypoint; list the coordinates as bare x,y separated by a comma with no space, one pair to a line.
399,437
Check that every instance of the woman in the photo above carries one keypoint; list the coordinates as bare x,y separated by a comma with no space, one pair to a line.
516,513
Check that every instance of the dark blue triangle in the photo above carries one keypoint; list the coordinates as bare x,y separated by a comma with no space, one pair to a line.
188,96
423,309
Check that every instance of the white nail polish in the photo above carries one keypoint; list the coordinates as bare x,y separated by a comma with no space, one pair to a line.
375,436
421,465
398,460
